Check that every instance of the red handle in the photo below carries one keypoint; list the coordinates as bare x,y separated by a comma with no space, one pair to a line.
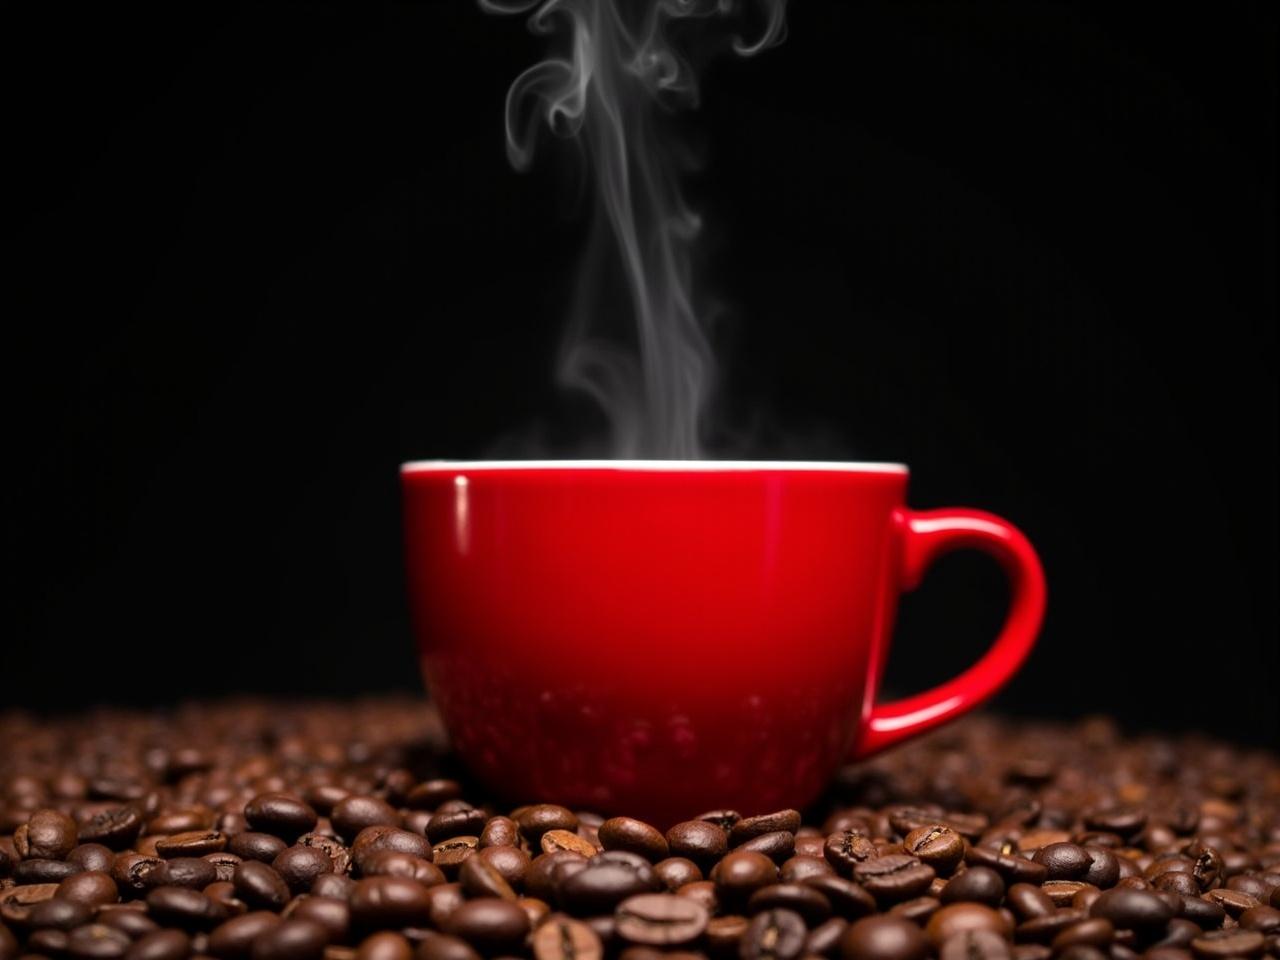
926,535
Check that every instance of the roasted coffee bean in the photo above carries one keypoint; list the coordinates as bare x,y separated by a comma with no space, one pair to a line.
299,866
660,919
724,819
114,827
389,902
894,878
389,863
1132,909
500,832
224,864
809,903
454,823
704,891
91,887
384,946
193,843
259,885
16,903
538,880
96,941
440,946
536,820
1125,821
1094,932
701,841
330,912
251,845
824,939
1027,901
92,856
234,938
429,794
803,866
1063,892
381,837
224,893
135,923
1044,929
1206,913
778,846
442,900
192,872
449,854
554,840
847,899
956,918
511,862
1177,881
601,885
281,814
59,914
1228,943
674,872
846,849
187,909
636,836
1104,868
1232,901
1262,918
884,938
160,945
332,885
291,939
1063,861
773,935
491,925
44,871
563,938
976,884
337,853
937,846
352,814
782,821
741,873
975,945
1012,868
1207,865
47,835
481,879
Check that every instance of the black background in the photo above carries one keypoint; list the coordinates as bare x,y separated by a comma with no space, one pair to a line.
268,251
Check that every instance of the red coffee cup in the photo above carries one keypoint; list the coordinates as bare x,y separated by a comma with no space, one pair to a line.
664,637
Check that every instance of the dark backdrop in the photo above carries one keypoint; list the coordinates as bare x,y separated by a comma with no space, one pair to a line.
267,251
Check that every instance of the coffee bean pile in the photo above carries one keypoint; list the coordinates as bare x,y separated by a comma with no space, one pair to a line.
336,832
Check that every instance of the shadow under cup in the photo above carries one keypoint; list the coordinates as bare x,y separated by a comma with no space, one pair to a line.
663,638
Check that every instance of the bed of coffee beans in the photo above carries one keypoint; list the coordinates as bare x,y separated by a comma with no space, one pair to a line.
346,832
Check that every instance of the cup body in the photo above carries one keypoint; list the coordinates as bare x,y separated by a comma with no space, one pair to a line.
660,637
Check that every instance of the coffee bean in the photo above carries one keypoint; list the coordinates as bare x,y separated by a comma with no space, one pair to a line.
192,872
1264,919
281,814
381,837
674,872
884,938
135,923
330,912
251,845
740,873
660,919
846,849
290,940
511,862
538,878
1206,913
47,835
1104,868
773,935
339,856
481,879
114,827
92,856
91,887
445,824
601,885
976,945
1026,901
442,900
782,821
44,871
1093,932
554,840
1044,929
187,909
1228,943
233,938
976,884
449,854
778,846
536,820
1132,909
332,885
160,945
259,885
1125,821
491,925
224,893
352,814
384,946
636,836
59,914
957,918
224,864
808,903
1012,868
96,941
16,903
937,846
563,938
299,866
500,832
724,819
389,902
1063,892
824,939
893,878
803,866
1063,861
847,899
193,843
701,841
440,946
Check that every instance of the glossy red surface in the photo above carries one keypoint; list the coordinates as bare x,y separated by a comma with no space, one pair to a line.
667,640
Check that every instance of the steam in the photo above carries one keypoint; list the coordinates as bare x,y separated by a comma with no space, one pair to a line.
616,82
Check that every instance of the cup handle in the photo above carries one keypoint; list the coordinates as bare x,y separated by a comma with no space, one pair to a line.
924,536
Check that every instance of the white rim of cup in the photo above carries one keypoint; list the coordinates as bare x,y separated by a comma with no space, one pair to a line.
671,466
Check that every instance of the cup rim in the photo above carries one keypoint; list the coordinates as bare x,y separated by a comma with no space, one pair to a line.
667,466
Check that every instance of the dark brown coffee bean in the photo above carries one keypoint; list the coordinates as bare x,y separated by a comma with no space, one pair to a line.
334,849
352,814
741,873
554,840
724,819
660,919
1264,919
455,823
59,914
808,902
894,878
1027,901
96,941
135,923
1206,913
92,887
43,871
884,938
782,821
1104,868
1012,868
92,856
491,925
332,885
1207,865
975,884
1228,943
389,902
778,846
773,935
704,891
291,939
699,840
563,938
47,835
330,912
500,832
441,946
160,945
46,942
16,903
1063,861
235,937
188,909
442,900
1044,929
847,899
1132,909
538,878
259,885
511,862
601,885
385,945
449,854
1093,932
536,820
1125,821
481,879
192,872
224,864
224,893
116,828
802,866
937,846
848,848
1177,881
193,843
956,918
390,863
1063,892
280,814
136,874
824,939
251,845
381,837
636,836
299,866
1232,901
976,945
